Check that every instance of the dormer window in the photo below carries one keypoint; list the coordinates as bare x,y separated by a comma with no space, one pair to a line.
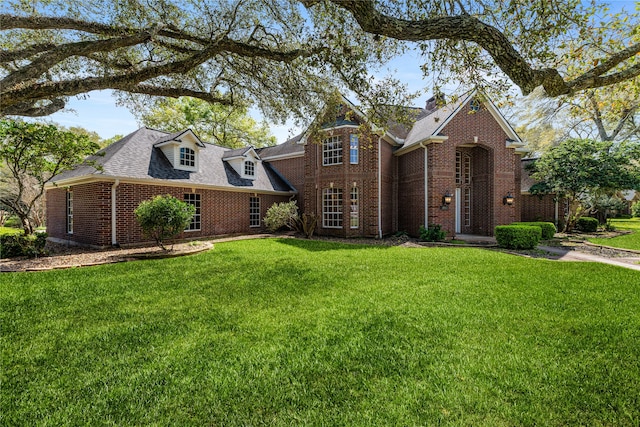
187,157
249,168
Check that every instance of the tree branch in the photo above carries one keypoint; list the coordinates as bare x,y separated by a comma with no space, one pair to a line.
469,28
176,93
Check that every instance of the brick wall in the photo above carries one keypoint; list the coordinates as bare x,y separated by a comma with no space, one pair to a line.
293,170
364,174
411,191
495,172
222,212
538,208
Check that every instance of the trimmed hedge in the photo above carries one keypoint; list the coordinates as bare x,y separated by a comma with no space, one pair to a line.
587,224
548,228
20,245
518,236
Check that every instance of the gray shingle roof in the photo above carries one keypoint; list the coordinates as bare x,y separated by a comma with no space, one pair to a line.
135,157
289,147
429,125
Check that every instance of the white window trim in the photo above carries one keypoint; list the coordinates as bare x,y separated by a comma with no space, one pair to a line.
69,211
354,191
352,138
253,168
198,212
251,213
328,192
330,153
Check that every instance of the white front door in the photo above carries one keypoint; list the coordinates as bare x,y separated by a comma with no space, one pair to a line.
458,211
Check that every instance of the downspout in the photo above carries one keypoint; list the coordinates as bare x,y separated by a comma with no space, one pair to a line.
555,199
426,185
114,241
379,187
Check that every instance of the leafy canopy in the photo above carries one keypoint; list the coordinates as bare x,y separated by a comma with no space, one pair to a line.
228,126
32,154
285,56
579,168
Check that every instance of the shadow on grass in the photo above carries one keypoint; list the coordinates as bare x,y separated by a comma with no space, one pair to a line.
327,245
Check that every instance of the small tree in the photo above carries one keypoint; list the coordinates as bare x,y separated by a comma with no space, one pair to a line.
164,217
31,154
578,168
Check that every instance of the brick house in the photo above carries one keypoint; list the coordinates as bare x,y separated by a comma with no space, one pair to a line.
231,189
458,166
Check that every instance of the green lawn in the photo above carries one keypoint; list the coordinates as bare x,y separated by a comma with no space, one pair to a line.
627,241
292,332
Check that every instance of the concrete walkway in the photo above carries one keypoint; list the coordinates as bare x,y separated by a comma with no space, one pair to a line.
564,254
573,255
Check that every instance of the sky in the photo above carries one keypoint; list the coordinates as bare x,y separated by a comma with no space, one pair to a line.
97,110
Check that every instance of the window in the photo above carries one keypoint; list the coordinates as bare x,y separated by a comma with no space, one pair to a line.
187,157
353,149
354,214
193,199
254,212
69,203
332,151
249,168
474,105
332,208
466,169
463,168
467,206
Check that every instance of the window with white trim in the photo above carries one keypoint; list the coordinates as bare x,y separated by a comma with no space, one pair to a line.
353,149
187,157
332,208
249,168
254,212
332,151
354,212
69,204
193,199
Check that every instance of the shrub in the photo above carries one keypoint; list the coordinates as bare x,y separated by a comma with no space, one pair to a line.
518,236
587,224
281,215
635,209
164,217
548,228
14,245
432,234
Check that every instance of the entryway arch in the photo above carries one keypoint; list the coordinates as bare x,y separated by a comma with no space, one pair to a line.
474,187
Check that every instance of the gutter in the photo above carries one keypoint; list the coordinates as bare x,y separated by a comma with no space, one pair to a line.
114,240
426,185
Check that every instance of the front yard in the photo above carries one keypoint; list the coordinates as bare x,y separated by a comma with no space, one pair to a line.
627,241
294,332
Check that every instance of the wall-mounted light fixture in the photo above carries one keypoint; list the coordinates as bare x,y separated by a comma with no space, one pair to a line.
446,199
508,199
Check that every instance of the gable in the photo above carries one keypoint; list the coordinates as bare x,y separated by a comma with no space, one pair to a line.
435,126
244,161
182,149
